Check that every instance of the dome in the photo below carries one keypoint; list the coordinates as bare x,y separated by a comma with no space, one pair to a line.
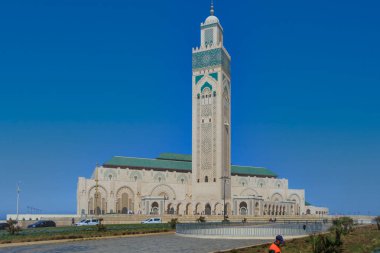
211,20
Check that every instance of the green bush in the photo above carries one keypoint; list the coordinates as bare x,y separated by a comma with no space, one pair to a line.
100,226
201,219
13,228
173,223
324,244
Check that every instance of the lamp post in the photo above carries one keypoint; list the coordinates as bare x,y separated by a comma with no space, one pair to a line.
18,199
225,178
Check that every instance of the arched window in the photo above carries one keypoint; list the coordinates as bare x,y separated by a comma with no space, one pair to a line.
206,179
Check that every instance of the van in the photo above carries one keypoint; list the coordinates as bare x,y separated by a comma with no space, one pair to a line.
151,221
88,222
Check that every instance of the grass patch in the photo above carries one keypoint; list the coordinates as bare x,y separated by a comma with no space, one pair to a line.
61,233
363,239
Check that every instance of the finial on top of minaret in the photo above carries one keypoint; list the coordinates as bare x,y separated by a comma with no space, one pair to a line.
212,8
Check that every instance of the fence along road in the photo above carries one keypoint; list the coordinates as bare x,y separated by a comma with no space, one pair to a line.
251,230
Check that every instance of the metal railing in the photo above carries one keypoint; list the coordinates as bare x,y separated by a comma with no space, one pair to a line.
251,230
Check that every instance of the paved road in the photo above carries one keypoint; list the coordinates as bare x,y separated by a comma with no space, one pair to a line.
154,243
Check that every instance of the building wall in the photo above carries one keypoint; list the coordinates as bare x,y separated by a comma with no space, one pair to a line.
112,190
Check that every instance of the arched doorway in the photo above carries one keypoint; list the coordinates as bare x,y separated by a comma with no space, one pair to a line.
243,208
207,209
189,209
179,208
218,209
124,200
97,203
197,209
154,209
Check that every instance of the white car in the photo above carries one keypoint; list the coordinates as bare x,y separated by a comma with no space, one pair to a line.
151,221
88,222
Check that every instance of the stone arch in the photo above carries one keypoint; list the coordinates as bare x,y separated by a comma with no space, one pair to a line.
277,197
154,208
159,177
218,208
243,208
180,209
278,184
198,208
295,197
171,209
135,176
208,209
243,182
261,183
189,209
248,192
101,189
163,189
97,200
125,199
182,179
109,174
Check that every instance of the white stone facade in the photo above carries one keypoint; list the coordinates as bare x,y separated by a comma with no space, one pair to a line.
150,191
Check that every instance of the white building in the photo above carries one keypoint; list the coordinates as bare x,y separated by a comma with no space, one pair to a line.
201,183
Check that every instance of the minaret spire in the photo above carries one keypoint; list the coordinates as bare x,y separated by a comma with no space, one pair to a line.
212,8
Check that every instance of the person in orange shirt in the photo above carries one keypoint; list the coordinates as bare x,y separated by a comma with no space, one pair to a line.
275,247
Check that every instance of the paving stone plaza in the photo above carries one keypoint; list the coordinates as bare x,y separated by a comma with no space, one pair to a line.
154,243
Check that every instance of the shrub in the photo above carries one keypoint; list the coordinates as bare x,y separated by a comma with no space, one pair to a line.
173,223
343,224
100,226
377,219
201,219
324,244
13,227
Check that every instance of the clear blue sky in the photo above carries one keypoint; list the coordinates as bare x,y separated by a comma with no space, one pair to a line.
82,81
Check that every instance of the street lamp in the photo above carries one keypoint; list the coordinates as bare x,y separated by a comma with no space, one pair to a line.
18,199
225,178
165,198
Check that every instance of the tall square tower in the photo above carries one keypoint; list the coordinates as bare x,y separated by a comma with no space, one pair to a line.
211,115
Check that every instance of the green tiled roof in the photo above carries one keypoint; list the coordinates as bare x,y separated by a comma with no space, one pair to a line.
121,161
175,157
181,163
248,170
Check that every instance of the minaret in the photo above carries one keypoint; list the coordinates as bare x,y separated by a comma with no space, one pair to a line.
211,114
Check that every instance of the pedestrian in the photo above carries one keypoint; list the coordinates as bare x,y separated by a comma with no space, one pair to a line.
72,221
275,247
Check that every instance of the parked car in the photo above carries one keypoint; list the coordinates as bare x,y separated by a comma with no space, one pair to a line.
88,222
151,221
42,224
4,226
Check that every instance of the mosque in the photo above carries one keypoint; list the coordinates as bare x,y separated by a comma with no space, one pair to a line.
204,183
